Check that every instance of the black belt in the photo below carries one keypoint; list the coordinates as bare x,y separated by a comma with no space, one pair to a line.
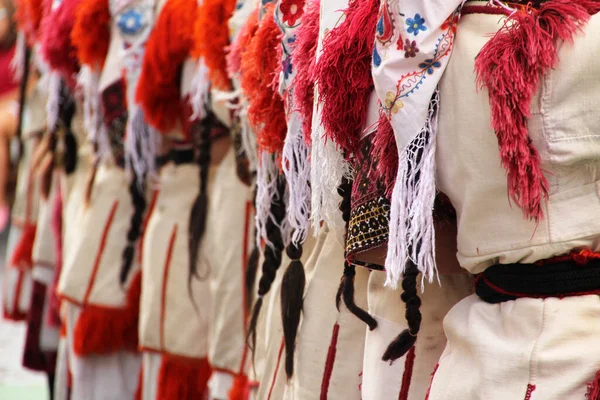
178,157
505,282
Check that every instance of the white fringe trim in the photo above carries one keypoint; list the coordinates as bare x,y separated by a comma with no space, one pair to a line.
199,95
267,174
296,168
412,234
53,100
141,145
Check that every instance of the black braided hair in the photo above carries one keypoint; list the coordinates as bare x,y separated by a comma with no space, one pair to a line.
67,111
405,340
252,267
273,256
292,296
346,288
23,95
198,214
137,191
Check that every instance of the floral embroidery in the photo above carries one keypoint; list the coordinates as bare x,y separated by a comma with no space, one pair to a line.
385,25
429,65
286,67
376,57
292,10
410,48
131,21
416,24
451,22
392,103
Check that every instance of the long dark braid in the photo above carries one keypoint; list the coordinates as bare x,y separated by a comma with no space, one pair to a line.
198,214
68,108
273,257
405,340
137,191
252,267
346,288
23,95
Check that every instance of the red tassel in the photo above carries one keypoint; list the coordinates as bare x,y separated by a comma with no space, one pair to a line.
28,16
91,32
247,32
240,389
56,45
259,64
22,254
159,87
330,362
180,378
212,37
305,59
593,388
384,152
343,73
510,66
104,330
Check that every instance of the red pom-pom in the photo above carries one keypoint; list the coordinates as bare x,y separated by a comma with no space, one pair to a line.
159,87
259,66
240,44
57,47
305,58
212,37
182,378
343,74
91,32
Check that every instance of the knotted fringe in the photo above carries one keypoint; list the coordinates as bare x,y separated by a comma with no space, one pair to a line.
385,151
292,294
412,235
182,379
200,91
88,83
22,254
240,389
329,362
29,16
91,32
593,388
105,330
343,73
259,64
510,66
56,44
158,90
141,144
212,37
296,168
267,175
406,340
305,59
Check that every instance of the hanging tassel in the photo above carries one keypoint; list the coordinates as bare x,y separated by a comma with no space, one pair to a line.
343,73
212,37
91,32
182,379
158,89
510,66
240,389
292,293
406,340
305,58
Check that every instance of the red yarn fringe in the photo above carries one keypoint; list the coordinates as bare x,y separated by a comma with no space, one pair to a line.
182,379
91,32
510,66
343,73
104,330
240,44
56,45
212,37
28,16
593,388
22,254
259,64
384,152
305,58
159,87
240,389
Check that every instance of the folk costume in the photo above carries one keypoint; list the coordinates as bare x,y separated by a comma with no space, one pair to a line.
535,177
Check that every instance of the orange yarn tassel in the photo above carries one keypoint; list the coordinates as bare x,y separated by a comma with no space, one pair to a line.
22,254
91,32
240,389
159,87
212,36
104,330
259,64
182,379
